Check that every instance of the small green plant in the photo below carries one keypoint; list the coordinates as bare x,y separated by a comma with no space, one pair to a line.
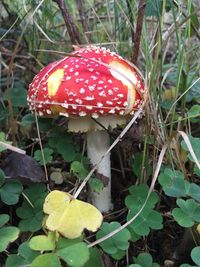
148,218
31,210
56,250
10,190
117,245
8,234
144,260
47,152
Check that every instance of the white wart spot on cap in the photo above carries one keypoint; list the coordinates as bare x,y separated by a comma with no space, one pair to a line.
79,101
82,113
82,91
93,77
99,105
102,93
112,111
109,102
120,95
91,88
89,107
89,98
101,82
95,115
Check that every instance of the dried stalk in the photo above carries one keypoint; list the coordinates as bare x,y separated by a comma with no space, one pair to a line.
136,47
71,27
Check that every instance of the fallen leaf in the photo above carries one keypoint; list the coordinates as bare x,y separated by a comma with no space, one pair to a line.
69,216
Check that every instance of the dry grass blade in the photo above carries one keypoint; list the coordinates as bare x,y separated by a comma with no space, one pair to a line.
187,141
13,148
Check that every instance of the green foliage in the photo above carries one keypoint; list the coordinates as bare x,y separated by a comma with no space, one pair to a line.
138,165
154,7
95,258
172,183
43,242
78,169
70,252
188,212
46,260
73,252
148,218
194,114
10,190
144,260
7,233
17,96
116,245
3,139
31,210
195,255
62,142
47,156
24,257
96,184
27,120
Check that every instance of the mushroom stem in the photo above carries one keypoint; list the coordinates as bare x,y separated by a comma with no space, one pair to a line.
97,145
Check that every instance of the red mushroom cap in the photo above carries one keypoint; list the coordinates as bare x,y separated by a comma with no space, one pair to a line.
91,82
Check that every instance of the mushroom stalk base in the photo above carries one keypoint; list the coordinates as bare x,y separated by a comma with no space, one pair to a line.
97,145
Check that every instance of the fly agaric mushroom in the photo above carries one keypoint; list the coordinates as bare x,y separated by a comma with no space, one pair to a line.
90,83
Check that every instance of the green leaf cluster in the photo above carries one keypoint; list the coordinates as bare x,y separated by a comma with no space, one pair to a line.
10,190
7,233
148,218
24,257
174,185
74,252
47,152
31,210
116,245
61,141
144,260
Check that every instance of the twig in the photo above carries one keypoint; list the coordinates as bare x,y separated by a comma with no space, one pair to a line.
83,20
138,32
71,27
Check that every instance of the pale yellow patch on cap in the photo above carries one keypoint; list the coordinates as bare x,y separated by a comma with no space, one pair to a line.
54,80
128,78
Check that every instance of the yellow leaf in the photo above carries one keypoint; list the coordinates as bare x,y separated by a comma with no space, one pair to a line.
69,216
198,229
